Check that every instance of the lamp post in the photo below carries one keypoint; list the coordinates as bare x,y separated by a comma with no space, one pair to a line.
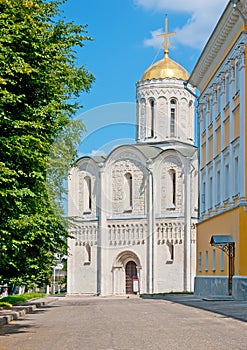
53,289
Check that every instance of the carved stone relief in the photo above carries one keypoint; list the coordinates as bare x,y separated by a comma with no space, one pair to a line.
85,234
121,234
171,164
136,169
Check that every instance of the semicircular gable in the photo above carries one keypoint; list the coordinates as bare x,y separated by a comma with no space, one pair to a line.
126,152
170,156
87,164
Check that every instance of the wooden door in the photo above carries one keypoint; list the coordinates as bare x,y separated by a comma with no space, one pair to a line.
130,272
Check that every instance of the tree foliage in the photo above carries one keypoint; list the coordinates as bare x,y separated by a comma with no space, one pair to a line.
39,84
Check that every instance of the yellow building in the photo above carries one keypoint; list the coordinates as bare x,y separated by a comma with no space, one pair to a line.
220,75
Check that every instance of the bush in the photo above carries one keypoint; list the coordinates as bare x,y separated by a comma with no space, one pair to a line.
14,299
5,304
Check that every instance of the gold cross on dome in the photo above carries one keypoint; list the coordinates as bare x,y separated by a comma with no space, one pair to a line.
166,35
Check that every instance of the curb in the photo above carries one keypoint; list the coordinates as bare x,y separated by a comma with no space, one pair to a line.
13,313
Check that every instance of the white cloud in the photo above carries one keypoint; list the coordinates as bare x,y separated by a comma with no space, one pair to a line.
98,153
203,16
154,41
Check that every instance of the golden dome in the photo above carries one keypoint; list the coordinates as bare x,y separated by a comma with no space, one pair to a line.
165,68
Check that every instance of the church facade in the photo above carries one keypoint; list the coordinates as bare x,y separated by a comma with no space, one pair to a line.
133,214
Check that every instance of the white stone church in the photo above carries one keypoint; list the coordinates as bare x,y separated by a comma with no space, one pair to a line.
133,214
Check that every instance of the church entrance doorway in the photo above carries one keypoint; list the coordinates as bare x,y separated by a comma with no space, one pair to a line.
130,273
126,277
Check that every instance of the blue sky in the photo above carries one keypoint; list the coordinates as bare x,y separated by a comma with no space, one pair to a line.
124,46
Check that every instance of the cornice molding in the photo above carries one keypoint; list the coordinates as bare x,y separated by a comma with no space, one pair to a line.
215,43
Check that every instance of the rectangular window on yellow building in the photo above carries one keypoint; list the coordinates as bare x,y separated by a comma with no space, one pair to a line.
213,260
236,176
211,111
210,193
236,121
218,140
206,260
218,192
227,89
227,181
203,199
227,132
203,154
222,260
200,261
210,148
219,100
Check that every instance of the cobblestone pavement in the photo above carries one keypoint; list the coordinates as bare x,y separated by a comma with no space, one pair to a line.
120,323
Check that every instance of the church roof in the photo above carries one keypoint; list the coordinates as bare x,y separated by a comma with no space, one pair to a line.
152,151
97,159
148,151
165,68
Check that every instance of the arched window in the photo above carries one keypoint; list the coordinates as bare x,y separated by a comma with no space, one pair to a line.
173,178
88,250
171,249
172,117
150,121
171,193
152,117
87,194
128,191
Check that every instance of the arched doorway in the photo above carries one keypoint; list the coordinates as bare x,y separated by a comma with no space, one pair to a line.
126,267
130,273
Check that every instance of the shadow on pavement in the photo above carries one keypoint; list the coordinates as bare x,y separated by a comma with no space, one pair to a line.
21,325
230,308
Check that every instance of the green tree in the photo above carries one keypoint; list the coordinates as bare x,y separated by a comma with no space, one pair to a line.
39,84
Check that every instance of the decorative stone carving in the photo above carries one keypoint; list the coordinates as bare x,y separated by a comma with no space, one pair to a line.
86,234
171,164
170,232
136,169
167,89
127,234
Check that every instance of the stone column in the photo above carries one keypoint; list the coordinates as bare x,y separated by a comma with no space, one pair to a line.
100,240
187,225
150,233
73,211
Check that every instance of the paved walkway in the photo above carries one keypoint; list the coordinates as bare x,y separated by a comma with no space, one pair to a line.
121,323
15,312
230,308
